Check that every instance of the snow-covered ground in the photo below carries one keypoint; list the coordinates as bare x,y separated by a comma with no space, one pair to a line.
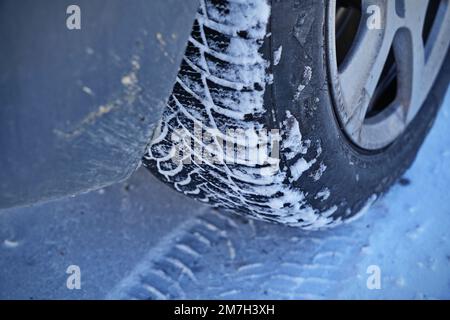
141,239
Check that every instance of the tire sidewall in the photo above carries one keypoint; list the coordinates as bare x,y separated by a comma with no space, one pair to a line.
352,175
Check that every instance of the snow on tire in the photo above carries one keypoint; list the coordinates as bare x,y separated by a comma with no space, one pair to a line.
221,86
249,126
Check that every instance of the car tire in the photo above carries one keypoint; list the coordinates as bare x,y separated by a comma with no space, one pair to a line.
254,66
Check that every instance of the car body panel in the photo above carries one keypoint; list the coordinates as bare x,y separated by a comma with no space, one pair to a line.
78,107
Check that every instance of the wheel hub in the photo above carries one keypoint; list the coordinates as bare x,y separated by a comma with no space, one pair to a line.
384,57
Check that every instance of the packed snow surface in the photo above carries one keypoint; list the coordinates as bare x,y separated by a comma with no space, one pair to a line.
141,228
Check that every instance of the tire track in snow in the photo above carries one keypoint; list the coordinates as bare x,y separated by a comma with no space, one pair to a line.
199,261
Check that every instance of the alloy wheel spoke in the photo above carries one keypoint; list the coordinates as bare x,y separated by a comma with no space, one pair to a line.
377,95
426,59
410,55
362,69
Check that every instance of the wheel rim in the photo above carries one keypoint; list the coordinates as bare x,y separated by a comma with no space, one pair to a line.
381,77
